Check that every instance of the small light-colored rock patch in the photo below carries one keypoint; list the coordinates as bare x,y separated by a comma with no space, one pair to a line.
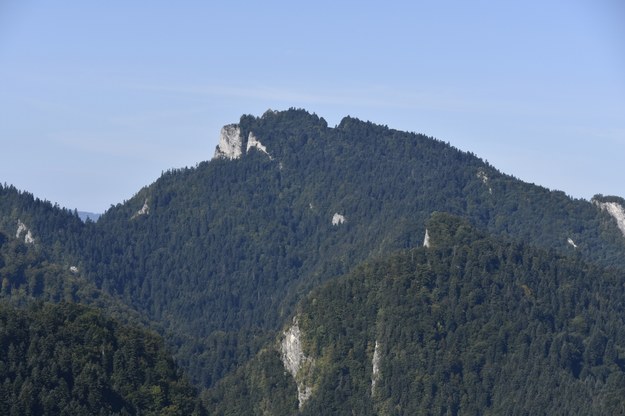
616,210
426,239
23,229
375,363
230,143
73,269
296,362
145,210
338,219
571,242
484,178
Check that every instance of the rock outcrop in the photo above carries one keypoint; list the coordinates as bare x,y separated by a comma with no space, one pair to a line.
338,219
616,210
296,362
230,143
375,364
22,229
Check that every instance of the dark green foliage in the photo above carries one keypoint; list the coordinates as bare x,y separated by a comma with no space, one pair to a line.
27,273
477,325
261,387
68,359
473,325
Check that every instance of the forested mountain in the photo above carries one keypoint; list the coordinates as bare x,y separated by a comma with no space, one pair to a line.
218,257
470,325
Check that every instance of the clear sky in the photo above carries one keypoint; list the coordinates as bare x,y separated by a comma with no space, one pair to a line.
97,98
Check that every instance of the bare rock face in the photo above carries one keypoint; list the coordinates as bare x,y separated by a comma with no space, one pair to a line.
484,178
338,219
254,143
616,210
23,229
145,210
296,362
375,364
426,240
230,143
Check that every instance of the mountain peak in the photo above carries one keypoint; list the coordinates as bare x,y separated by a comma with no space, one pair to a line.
235,140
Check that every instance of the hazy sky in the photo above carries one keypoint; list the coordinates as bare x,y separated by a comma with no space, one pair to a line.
98,98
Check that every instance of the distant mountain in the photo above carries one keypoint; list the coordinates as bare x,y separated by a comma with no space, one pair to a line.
88,216
219,258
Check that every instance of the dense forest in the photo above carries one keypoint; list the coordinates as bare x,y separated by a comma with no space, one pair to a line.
219,258
67,359
471,325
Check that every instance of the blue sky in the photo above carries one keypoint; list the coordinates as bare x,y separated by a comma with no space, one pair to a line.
98,98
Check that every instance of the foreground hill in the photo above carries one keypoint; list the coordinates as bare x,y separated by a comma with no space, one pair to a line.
70,359
470,325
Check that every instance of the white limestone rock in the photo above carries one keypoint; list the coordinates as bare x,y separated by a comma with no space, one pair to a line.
484,178
375,364
230,143
338,219
571,242
23,229
254,143
73,269
145,210
616,210
296,362
426,239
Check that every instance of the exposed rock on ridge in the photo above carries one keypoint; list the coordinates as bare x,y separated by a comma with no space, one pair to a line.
230,143
145,210
253,142
616,210
484,178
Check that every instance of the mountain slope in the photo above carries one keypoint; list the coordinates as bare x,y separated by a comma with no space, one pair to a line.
470,325
221,253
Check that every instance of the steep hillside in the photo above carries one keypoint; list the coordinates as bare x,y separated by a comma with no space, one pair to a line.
470,325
